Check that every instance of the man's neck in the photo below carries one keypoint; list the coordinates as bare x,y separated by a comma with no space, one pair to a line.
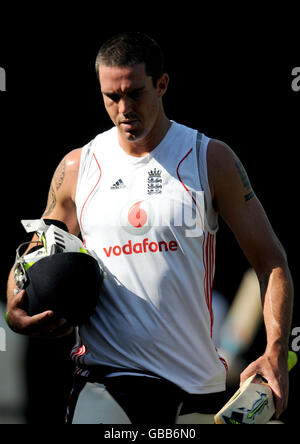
144,146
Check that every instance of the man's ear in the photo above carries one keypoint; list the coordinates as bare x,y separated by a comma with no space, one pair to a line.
162,84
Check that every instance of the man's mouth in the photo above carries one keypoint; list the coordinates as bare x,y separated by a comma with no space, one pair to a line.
128,123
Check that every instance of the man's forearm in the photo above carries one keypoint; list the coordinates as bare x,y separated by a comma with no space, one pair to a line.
11,286
278,298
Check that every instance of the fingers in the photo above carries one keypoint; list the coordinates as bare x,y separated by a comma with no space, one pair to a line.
249,371
280,391
277,378
43,324
64,329
19,300
279,404
279,407
56,329
41,319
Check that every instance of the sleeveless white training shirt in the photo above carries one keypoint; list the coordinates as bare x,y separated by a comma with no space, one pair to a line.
150,222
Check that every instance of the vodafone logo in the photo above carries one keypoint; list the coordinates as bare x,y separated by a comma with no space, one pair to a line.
145,246
137,218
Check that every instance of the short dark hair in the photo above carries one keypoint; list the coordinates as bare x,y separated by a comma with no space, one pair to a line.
132,48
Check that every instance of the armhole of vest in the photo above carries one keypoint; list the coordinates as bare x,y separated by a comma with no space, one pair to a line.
211,214
85,154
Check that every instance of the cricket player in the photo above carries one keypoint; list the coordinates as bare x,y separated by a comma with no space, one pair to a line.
146,196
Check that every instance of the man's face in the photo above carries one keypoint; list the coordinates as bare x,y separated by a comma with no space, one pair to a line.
131,100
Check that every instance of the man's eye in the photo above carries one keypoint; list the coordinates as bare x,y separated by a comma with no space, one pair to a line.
135,95
113,97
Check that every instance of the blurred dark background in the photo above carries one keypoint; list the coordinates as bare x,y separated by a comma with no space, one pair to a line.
231,84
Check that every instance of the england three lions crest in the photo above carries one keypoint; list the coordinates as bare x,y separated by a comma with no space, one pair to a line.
154,182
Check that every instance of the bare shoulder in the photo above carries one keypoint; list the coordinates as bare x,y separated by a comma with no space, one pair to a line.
71,161
221,162
73,157
67,170
61,196
227,175
64,180
219,154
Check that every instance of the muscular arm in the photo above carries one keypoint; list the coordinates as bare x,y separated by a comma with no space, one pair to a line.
61,206
238,205
61,196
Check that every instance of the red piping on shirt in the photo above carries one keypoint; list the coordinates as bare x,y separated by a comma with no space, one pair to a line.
82,209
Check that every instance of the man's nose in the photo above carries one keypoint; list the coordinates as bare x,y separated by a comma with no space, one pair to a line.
125,105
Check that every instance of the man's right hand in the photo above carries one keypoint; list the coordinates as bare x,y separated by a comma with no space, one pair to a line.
60,206
43,324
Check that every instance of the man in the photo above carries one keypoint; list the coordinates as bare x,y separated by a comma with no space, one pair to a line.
150,338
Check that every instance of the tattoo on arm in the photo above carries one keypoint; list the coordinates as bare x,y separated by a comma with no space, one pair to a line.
245,181
51,202
59,174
